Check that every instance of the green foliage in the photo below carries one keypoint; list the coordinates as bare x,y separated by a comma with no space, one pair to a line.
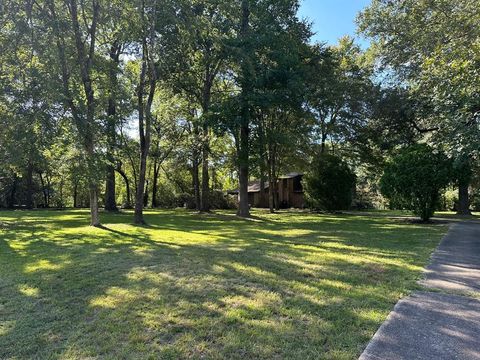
431,48
414,178
330,183
339,90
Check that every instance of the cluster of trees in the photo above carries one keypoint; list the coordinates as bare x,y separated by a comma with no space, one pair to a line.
428,53
165,102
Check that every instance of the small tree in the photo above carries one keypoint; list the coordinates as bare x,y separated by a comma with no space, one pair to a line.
330,184
414,179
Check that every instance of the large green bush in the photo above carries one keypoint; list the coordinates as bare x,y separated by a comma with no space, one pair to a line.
413,180
330,184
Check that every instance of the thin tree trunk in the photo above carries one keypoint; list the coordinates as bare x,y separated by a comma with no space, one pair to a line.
243,148
13,192
44,190
243,159
75,195
195,169
271,182
156,173
49,186
110,194
324,143
143,151
206,99
85,50
29,194
204,200
275,180
144,122
196,182
95,220
271,193
128,204
145,195
263,161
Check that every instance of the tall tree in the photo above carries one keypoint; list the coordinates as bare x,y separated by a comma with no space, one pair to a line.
204,28
246,83
79,36
147,84
340,91
427,46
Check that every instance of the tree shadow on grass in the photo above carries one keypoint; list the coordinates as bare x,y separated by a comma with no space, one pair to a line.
251,291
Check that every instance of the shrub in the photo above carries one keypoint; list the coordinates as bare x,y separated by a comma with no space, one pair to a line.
450,200
185,200
220,201
330,184
475,200
414,179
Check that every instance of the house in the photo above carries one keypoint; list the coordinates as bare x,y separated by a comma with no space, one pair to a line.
289,192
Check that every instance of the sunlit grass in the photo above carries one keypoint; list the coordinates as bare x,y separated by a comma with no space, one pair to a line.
287,286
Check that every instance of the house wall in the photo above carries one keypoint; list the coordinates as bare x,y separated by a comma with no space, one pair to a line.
260,202
288,196
298,200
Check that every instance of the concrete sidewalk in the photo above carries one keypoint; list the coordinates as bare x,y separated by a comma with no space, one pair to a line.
432,325
455,265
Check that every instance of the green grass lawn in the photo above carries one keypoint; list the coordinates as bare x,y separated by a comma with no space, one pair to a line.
285,286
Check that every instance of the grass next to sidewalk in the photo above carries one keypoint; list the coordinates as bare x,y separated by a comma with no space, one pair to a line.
286,286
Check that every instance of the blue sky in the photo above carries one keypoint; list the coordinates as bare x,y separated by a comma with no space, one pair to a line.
333,18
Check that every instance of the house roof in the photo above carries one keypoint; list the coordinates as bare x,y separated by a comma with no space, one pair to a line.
254,186
290,175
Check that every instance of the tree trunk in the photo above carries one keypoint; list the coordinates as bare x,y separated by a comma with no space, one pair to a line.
95,217
195,169
75,195
204,200
144,122
44,190
139,198
156,173
271,182
463,200
324,143
206,99
29,185
271,195
49,186
145,195
93,190
263,162
243,148
13,191
196,182
110,194
275,181
86,125
243,159
128,204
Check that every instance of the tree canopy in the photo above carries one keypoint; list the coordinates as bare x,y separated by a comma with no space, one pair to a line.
164,102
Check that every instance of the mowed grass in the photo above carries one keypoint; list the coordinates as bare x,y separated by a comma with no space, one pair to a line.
285,286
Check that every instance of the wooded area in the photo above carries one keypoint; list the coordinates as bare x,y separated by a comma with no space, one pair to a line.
167,103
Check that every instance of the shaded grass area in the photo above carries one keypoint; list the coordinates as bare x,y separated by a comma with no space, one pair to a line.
284,286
